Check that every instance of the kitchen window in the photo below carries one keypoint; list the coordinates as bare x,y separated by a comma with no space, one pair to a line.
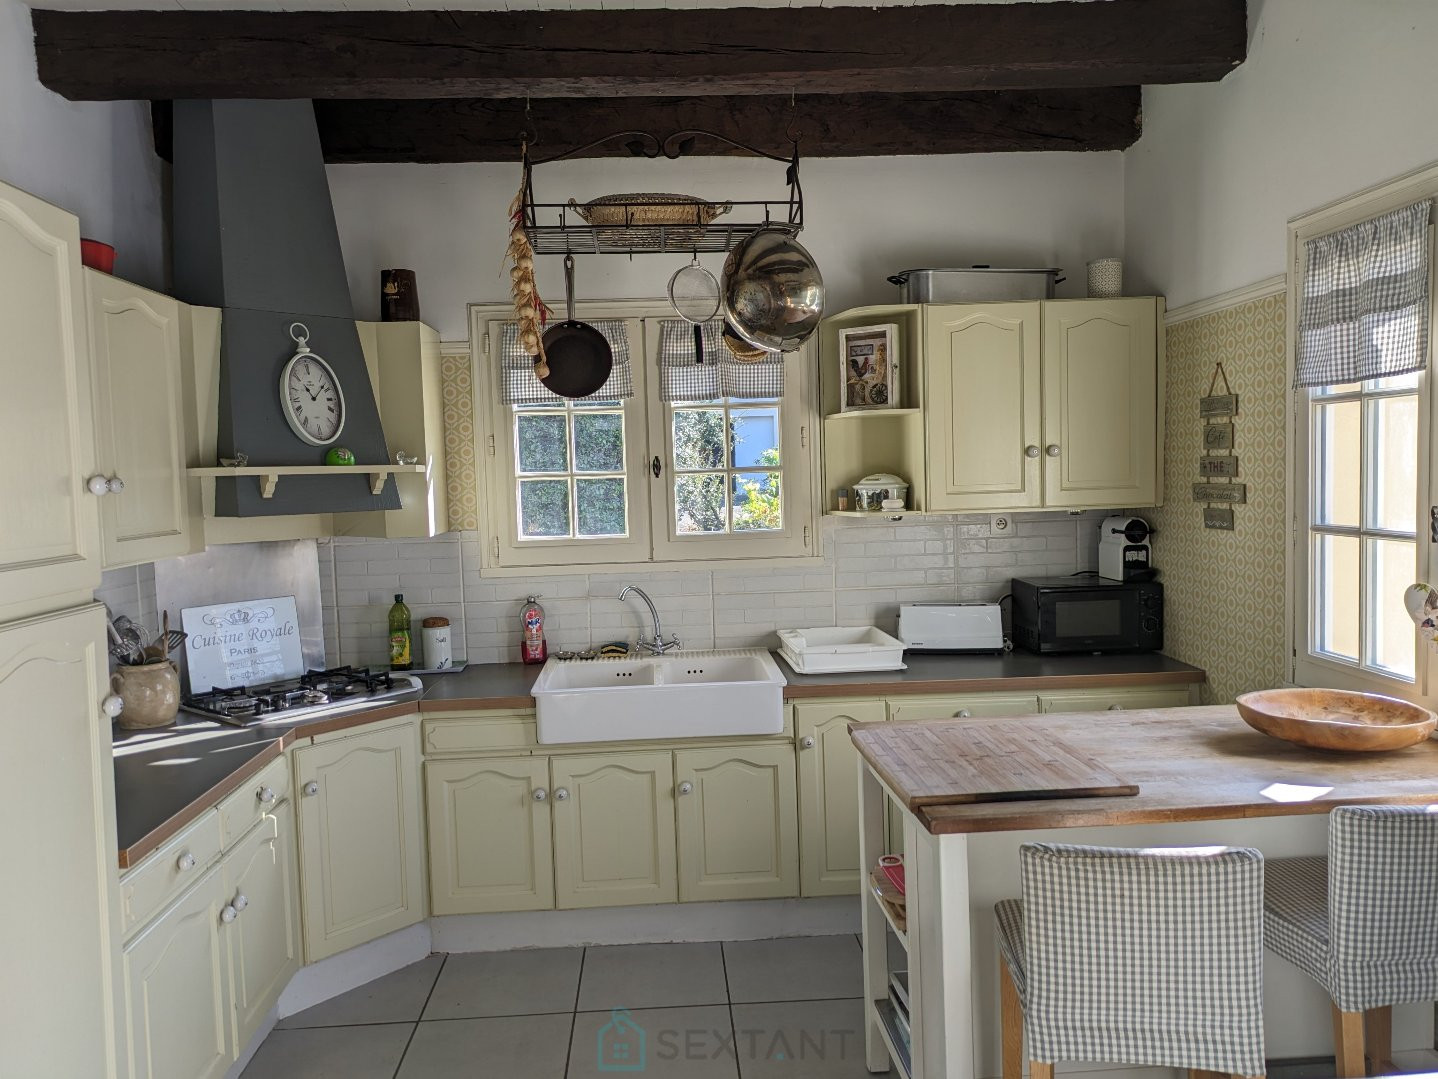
1360,307
674,461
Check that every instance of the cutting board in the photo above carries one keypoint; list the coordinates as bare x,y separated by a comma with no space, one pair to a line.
953,763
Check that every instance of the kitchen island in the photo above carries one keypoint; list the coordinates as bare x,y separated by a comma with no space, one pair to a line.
1203,777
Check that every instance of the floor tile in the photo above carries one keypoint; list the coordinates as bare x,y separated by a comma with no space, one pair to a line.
665,1043
527,982
371,1052
395,998
794,968
517,1047
808,1039
651,976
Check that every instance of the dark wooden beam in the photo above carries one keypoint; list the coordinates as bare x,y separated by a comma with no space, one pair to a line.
109,55
829,125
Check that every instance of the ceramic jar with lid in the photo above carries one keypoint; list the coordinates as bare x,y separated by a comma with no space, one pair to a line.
438,654
871,492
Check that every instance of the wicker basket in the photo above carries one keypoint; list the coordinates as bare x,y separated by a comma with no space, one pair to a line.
632,218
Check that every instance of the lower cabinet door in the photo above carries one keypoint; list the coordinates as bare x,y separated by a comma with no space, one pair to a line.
264,938
489,845
738,823
613,829
829,794
177,989
361,845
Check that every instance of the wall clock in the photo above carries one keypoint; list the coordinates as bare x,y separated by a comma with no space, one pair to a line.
310,393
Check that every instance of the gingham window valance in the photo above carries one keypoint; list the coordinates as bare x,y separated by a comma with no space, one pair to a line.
518,384
1365,300
720,375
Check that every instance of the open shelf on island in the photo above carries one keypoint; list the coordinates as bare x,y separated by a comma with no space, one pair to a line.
269,475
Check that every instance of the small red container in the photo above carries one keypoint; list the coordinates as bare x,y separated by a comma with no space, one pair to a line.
97,255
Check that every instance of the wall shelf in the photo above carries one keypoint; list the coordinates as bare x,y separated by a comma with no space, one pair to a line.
269,475
873,413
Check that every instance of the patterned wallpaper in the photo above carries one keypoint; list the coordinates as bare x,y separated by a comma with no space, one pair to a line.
462,478
1224,590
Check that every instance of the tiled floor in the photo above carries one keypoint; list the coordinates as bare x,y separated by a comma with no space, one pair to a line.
763,1009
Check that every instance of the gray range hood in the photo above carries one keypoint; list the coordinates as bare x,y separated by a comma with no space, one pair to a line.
254,234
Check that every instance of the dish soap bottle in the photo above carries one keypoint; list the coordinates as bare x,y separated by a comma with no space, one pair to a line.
532,646
399,643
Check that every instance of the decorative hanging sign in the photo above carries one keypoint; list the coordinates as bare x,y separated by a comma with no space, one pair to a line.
1218,436
1218,461
1219,517
1218,466
1234,494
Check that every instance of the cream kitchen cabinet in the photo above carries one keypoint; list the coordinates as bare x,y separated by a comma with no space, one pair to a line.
489,835
737,823
147,512
614,839
177,988
404,367
985,419
50,545
361,837
1116,700
1102,436
1052,404
829,793
264,935
60,938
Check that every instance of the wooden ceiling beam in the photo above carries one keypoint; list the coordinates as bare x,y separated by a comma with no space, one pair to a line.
115,55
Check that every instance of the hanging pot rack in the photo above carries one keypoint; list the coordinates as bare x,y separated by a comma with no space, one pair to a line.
560,229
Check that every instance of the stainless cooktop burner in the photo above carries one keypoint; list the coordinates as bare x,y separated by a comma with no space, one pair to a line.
294,697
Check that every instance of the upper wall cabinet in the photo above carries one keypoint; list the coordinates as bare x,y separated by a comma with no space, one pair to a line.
140,416
50,545
404,368
1009,406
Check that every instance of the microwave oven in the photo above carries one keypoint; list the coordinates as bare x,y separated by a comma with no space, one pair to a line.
1086,614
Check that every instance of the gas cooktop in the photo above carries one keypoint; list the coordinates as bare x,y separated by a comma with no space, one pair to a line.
301,698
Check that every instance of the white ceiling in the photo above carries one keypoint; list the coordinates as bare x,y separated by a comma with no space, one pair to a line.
462,5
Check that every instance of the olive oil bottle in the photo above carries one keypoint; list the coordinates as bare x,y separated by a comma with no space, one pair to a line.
399,636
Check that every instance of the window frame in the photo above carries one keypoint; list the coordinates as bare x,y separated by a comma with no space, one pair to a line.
648,505
1306,667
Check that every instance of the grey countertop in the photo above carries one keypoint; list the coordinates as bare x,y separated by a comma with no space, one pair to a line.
166,777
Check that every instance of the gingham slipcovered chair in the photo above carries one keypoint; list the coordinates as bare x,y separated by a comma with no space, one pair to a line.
1362,922
1146,957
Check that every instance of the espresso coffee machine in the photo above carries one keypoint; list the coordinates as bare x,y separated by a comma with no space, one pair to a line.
1124,552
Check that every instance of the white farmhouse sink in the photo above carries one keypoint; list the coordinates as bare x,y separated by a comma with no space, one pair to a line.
702,694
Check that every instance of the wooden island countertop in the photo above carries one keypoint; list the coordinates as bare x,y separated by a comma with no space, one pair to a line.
1189,764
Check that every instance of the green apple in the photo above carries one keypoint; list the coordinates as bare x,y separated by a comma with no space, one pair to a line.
339,456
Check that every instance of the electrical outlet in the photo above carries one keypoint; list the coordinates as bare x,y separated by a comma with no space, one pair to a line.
1001,524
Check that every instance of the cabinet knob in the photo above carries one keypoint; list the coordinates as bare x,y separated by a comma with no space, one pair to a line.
807,742
560,794
1052,449
116,485
185,862
228,914
1115,708
1031,452
266,795
98,485
540,794
312,788
963,713
112,705
686,787
240,902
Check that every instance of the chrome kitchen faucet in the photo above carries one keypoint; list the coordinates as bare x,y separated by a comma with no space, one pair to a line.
659,645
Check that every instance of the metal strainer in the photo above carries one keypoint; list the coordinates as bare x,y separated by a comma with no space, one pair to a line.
694,295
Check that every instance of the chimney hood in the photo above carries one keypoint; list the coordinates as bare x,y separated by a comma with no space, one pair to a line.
254,234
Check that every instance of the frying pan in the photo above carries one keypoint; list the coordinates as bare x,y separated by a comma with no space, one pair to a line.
579,357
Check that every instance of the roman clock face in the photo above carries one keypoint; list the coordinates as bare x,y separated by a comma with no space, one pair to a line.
313,402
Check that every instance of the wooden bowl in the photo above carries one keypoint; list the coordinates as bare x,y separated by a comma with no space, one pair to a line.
1336,719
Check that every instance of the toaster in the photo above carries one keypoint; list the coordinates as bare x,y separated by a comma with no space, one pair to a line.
951,627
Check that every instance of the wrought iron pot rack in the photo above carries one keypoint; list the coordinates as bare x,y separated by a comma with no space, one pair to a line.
557,228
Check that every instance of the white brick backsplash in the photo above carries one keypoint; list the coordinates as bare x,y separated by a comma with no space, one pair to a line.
869,569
